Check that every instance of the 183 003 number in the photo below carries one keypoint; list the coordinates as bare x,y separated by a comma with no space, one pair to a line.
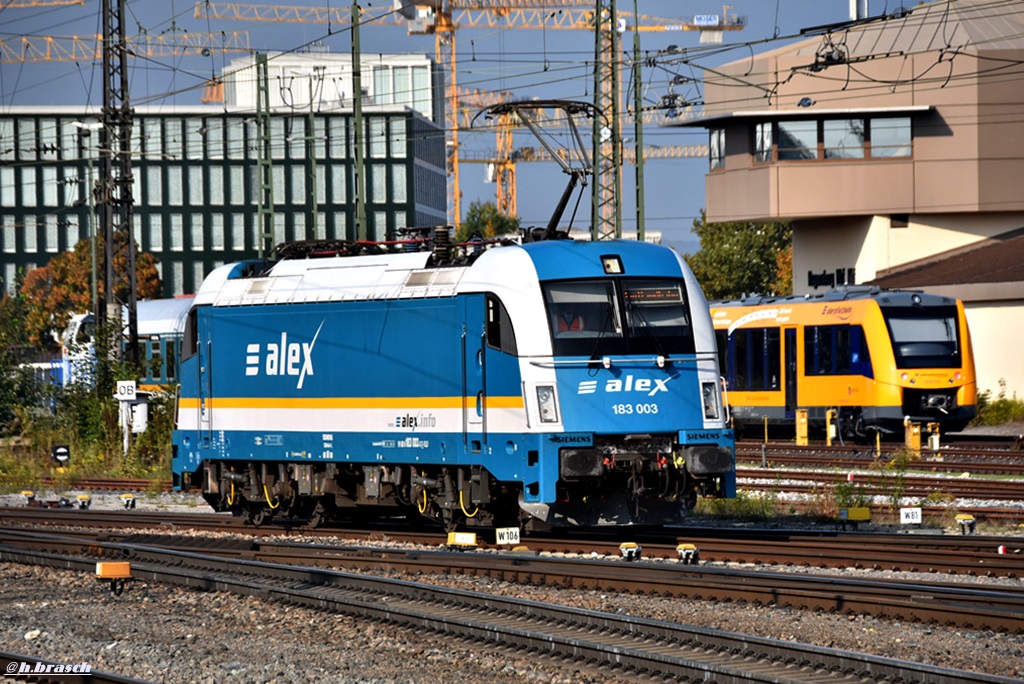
630,409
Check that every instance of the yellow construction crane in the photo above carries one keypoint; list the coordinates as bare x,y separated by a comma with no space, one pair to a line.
81,48
442,18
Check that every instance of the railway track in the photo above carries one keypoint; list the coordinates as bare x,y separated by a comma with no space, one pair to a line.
974,459
641,646
822,548
883,483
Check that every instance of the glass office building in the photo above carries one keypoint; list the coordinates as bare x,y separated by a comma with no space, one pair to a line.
195,185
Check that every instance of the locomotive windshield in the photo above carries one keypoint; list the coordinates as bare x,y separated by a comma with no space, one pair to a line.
598,318
926,337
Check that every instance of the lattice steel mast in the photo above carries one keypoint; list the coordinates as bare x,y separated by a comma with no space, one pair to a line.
606,210
120,291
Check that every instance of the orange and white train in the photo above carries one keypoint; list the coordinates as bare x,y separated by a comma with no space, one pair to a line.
876,357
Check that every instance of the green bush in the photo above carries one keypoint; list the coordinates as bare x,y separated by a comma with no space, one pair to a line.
746,505
1000,410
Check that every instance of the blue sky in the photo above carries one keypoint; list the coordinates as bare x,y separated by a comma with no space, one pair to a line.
527,62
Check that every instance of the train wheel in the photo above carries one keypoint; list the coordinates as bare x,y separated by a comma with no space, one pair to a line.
689,500
448,520
259,515
318,517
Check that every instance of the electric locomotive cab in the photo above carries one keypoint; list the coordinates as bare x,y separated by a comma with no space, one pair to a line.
641,406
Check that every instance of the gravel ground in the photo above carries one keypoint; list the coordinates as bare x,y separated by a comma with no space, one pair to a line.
171,635
168,634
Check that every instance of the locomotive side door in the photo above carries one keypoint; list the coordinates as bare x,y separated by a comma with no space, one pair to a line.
205,385
474,376
789,371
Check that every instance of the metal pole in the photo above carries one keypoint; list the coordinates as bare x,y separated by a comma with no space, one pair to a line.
91,190
357,115
85,133
312,161
264,170
638,125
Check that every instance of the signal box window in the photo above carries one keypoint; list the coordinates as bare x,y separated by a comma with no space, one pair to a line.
891,137
844,138
798,140
717,148
763,142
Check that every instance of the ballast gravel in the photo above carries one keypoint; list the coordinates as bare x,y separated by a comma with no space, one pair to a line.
167,634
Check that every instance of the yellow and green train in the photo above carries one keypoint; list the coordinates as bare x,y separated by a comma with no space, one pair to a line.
876,357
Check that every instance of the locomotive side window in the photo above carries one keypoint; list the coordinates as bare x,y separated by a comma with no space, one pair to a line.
500,334
190,340
924,337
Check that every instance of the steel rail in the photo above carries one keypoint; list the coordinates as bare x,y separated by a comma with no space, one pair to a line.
824,547
643,646
1000,608
1007,463
882,482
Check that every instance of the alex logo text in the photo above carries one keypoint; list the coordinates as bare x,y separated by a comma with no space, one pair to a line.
648,386
282,358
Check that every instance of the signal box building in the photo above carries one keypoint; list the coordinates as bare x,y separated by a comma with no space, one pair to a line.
195,186
895,146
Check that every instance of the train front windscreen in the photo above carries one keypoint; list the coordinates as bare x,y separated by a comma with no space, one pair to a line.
924,337
626,316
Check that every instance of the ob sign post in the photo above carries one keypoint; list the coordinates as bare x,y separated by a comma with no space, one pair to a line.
126,395
126,390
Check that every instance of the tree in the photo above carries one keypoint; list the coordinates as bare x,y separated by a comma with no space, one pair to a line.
62,288
784,271
484,219
17,387
740,258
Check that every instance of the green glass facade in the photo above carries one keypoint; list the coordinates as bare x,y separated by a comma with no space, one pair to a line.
194,183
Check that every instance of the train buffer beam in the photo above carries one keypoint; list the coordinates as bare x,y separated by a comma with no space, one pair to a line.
967,523
689,554
116,575
630,551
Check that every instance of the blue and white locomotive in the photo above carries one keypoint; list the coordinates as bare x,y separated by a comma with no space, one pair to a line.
545,383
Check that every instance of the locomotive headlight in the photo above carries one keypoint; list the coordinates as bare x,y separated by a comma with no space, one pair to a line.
709,393
547,404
